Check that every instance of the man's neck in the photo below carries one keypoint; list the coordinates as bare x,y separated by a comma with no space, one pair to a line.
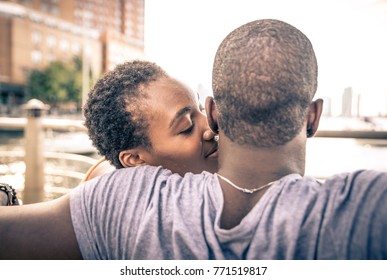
251,168
258,166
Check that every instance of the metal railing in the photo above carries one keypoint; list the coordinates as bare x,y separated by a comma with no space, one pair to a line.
34,126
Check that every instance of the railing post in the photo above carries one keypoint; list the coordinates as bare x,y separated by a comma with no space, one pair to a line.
34,152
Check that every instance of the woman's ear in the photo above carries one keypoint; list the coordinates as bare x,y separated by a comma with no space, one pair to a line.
315,111
212,116
130,158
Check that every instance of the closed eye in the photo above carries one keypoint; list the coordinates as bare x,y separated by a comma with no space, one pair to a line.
188,130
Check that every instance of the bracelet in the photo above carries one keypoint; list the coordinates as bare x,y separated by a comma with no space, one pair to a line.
11,194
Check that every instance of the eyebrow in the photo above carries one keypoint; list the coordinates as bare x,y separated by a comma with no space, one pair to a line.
179,114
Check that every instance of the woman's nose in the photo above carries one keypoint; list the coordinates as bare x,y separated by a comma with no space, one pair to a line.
209,135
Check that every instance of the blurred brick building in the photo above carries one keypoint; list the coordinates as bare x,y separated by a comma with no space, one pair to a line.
35,32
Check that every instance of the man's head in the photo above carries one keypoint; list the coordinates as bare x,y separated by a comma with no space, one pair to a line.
264,79
137,115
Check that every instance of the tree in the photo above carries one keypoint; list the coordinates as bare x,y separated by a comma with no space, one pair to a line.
59,83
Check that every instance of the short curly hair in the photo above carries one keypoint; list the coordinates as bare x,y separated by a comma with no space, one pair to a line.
264,78
115,111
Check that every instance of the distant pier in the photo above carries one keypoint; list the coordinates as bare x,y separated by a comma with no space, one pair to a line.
356,134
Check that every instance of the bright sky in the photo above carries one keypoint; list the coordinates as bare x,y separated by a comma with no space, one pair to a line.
349,38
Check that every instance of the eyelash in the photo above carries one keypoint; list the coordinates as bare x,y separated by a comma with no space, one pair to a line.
189,130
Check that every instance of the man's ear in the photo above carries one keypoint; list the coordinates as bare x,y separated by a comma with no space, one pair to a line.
131,158
212,115
315,111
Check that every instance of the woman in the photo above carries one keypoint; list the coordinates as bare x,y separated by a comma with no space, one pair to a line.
137,114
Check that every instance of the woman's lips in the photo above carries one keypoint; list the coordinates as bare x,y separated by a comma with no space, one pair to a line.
213,153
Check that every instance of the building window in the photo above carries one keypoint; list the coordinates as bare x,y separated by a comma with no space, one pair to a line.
36,57
36,37
54,10
76,48
64,45
25,2
44,7
51,41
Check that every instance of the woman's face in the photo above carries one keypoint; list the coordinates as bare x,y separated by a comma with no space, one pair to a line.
181,138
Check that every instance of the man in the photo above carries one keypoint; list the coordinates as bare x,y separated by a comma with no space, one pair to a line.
258,206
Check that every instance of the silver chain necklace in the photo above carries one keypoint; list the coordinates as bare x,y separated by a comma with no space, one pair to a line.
249,191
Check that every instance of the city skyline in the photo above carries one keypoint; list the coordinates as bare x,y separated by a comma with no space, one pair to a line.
352,105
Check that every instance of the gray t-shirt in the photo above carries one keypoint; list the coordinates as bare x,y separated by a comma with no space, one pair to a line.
150,213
